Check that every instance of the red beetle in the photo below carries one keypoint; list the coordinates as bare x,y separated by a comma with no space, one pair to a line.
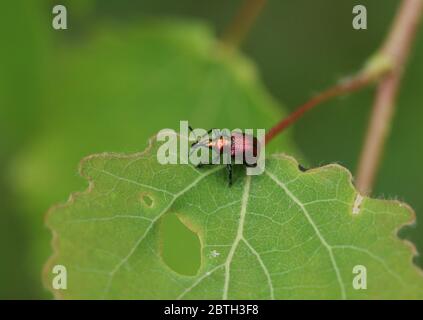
241,146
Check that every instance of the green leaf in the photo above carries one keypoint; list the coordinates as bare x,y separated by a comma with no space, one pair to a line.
284,234
112,88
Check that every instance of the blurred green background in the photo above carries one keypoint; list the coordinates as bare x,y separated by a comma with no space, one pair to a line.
68,94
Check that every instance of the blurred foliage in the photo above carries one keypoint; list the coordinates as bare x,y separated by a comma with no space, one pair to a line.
54,83
22,60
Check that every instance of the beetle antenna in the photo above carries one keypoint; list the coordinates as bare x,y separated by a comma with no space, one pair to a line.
199,138
192,130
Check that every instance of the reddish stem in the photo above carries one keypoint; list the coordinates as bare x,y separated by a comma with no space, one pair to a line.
397,47
351,85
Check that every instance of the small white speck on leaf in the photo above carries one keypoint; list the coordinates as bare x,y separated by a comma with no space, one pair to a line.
357,204
214,254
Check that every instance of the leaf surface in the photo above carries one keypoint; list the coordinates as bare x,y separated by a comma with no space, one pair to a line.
284,234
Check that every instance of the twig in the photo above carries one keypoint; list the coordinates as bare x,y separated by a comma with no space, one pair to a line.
374,70
351,85
242,23
397,48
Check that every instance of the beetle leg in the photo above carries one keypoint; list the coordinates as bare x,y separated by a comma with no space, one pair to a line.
216,159
229,168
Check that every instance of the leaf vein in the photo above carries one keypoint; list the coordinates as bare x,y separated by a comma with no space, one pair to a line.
316,230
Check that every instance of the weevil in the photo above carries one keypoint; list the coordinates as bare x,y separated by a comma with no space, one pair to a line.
237,145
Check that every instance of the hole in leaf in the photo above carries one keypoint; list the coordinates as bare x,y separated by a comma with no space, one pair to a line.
180,247
147,200
301,168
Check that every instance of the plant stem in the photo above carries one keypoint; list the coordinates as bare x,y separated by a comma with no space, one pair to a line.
242,23
351,85
397,48
374,70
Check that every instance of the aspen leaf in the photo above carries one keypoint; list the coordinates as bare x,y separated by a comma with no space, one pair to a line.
285,234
